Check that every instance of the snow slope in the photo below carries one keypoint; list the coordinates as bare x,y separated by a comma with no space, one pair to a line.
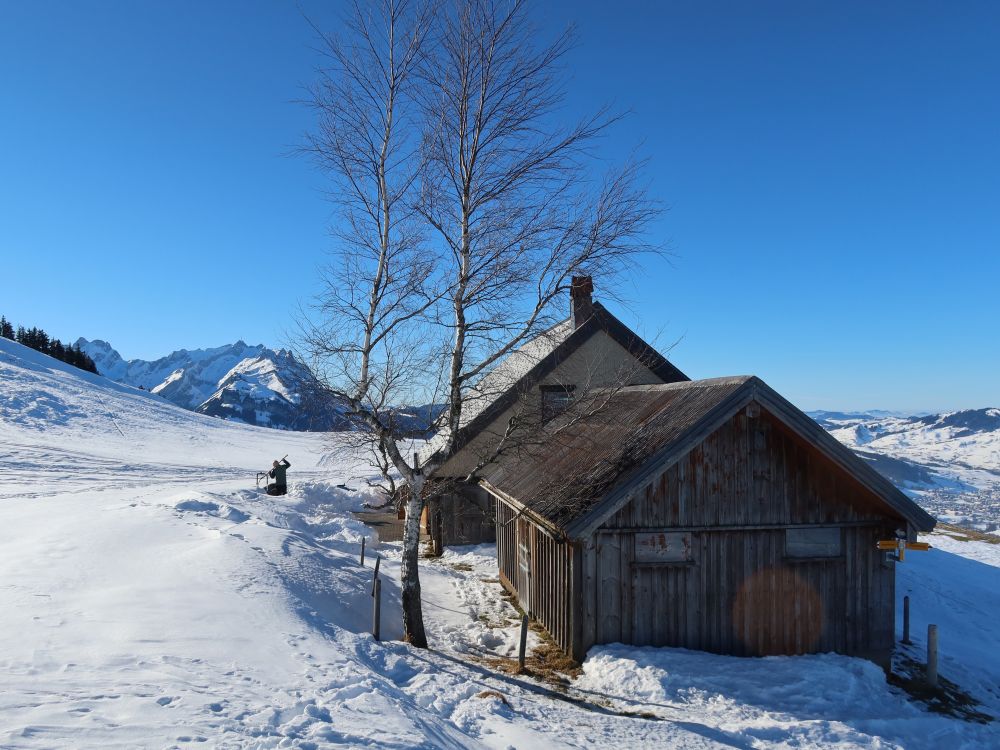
152,598
959,446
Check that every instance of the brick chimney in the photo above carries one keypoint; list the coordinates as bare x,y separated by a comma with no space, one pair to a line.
581,301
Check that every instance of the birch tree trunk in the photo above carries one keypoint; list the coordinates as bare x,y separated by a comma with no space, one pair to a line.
413,616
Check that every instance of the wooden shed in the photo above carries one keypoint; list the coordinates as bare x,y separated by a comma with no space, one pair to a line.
710,515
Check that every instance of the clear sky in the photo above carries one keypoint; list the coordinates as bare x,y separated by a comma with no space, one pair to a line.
832,171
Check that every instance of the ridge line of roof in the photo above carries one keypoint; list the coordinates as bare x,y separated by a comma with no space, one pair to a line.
685,384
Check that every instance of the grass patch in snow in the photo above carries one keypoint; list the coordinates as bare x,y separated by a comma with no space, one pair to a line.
947,698
546,661
549,662
963,534
493,694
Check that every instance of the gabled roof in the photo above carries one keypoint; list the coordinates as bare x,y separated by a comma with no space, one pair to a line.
523,368
583,473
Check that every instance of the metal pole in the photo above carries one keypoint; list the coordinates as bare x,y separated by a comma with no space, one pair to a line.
932,655
375,576
362,552
906,621
377,611
523,644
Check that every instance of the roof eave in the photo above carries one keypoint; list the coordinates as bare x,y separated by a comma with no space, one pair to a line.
524,511
795,419
663,459
809,430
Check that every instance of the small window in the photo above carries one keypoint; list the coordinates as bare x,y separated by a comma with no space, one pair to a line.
812,542
555,400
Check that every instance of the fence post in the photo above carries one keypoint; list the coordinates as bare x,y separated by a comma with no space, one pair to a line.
362,552
377,611
932,655
906,621
523,644
378,560
437,540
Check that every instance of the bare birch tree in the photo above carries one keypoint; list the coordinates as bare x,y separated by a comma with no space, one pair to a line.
466,211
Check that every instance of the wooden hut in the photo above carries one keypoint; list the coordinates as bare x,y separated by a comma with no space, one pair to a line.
710,515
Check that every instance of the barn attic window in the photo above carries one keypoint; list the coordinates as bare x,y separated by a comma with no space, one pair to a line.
555,400
813,542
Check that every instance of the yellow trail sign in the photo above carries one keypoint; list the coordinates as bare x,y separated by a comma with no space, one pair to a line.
899,546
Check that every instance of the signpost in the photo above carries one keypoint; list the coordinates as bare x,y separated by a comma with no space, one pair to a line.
899,546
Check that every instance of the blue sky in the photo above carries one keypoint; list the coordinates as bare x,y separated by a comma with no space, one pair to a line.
832,172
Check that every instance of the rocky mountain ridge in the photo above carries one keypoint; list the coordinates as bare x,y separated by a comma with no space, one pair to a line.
247,383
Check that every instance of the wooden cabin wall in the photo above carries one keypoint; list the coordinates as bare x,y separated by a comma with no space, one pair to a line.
467,516
733,497
740,595
750,472
537,569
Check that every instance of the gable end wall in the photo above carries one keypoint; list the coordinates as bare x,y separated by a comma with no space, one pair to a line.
738,593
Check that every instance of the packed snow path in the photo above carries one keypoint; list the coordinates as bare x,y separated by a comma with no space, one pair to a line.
150,597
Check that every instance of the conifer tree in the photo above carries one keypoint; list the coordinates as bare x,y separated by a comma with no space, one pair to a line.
37,339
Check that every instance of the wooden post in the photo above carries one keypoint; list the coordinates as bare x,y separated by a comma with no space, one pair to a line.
523,644
377,611
437,542
362,552
932,655
378,560
906,621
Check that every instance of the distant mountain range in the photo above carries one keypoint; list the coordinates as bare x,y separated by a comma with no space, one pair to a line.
252,384
247,383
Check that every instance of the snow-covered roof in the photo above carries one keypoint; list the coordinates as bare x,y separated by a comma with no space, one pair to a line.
499,389
498,381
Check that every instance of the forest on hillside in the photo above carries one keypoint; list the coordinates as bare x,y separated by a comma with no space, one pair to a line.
40,341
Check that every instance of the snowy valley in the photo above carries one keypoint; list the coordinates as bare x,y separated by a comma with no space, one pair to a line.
950,462
154,598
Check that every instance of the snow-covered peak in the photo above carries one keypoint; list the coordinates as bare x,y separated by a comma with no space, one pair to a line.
268,390
242,382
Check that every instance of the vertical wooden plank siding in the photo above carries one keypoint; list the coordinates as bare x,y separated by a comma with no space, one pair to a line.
741,593
743,590
544,589
465,516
